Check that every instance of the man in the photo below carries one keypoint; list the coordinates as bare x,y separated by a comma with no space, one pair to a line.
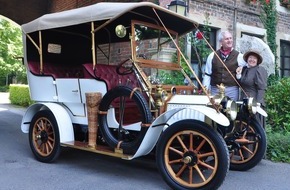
215,71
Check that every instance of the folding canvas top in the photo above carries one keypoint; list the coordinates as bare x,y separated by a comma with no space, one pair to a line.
108,12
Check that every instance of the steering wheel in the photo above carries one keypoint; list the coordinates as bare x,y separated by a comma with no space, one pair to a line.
124,70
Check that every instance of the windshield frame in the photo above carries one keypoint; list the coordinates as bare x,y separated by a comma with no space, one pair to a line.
149,63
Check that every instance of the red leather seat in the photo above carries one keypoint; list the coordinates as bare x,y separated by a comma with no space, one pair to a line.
108,74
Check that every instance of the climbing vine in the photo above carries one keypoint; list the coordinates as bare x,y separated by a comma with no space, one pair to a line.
269,19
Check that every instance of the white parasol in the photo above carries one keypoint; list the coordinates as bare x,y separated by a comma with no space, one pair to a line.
247,43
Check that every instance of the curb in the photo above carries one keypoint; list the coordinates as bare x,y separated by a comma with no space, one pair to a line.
13,108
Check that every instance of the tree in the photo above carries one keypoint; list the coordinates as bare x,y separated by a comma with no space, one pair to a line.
11,52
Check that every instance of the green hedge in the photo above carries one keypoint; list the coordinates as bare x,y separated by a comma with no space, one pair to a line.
278,121
19,95
278,148
278,105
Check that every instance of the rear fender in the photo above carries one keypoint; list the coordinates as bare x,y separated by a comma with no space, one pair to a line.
61,115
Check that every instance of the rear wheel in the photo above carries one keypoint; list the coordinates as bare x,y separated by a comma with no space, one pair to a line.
44,136
125,118
191,155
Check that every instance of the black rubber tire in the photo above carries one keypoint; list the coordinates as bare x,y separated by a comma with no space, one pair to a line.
132,140
172,157
44,137
258,148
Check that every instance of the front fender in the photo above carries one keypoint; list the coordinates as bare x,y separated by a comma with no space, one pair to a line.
61,115
262,111
169,117
153,133
199,112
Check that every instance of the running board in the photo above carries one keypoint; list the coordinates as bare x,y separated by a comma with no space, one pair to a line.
100,149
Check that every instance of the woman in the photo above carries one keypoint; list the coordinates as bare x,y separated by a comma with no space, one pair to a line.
253,77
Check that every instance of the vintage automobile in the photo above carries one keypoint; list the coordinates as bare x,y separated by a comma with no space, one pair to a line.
96,75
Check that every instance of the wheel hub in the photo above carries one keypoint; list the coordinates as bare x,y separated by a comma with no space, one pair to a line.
190,158
43,136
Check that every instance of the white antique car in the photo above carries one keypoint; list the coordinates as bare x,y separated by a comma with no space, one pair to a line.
95,74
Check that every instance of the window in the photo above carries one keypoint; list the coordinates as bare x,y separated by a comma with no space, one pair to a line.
251,34
54,48
285,58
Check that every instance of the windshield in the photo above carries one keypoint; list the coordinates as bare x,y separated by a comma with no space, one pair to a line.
155,51
152,43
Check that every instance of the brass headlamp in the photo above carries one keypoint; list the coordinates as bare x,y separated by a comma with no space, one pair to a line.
160,96
228,106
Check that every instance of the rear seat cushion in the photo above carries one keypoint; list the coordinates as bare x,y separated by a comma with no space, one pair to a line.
56,71
108,74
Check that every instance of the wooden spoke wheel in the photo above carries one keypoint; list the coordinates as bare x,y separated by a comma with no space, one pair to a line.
191,155
249,147
44,136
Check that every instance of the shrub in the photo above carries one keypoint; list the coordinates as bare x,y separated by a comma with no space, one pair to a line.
278,148
278,105
4,88
19,95
278,126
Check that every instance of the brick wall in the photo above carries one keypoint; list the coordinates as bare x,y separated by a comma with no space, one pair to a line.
284,23
247,14
23,12
61,5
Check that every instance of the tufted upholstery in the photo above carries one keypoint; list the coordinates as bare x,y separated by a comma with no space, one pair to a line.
108,74
55,70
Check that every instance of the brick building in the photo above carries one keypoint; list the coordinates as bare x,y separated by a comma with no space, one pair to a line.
237,16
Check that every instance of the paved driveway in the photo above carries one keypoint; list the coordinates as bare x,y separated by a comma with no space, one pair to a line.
4,98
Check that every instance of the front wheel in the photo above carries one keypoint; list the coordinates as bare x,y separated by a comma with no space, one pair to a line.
191,155
248,146
44,136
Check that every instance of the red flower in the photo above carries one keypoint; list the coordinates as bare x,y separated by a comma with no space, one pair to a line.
199,35
267,1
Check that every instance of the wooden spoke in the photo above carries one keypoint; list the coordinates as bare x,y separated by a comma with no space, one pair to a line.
206,165
200,145
182,144
175,161
50,144
206,154
248,150
241,154
199,172
191,142
190,175
181,170
176,151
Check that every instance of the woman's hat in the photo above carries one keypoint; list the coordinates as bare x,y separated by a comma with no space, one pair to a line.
254,53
